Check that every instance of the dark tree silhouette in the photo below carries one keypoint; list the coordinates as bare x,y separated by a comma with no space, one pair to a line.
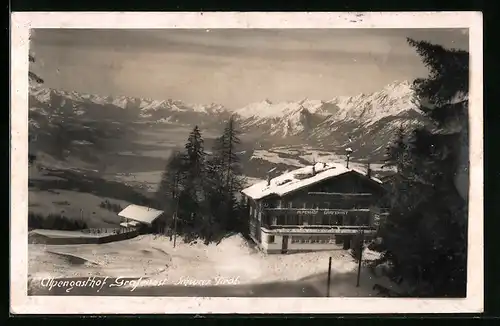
227,175
425,234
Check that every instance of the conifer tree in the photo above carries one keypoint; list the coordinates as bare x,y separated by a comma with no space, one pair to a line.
226,163
193,197
396,154
215,194
424,236
170,187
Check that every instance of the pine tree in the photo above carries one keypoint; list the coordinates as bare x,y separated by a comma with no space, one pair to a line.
226,164
425,234
396,152
170,187
215,194
192,199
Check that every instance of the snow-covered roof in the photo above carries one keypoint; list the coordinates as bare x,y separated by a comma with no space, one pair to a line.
298,179
141,214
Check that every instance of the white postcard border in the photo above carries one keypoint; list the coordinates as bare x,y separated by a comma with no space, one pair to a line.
21,303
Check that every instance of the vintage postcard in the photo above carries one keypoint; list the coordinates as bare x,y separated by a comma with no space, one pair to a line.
246,163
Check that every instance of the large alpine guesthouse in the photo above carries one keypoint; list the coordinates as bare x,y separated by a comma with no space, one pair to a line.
318,207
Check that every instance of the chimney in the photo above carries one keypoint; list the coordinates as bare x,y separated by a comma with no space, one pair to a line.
314,169
368,171
268,179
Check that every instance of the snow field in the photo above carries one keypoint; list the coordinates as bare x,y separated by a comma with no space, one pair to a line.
155,257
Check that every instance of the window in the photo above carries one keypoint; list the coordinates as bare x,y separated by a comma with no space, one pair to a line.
317,239
251,210
292,220
281,220
338,239
290,204
270,239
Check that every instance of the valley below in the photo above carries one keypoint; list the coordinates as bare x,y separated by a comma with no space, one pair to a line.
90,149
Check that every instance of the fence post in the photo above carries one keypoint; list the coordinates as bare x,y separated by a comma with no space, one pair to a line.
329,275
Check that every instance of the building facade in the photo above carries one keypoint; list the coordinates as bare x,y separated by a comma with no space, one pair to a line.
320,207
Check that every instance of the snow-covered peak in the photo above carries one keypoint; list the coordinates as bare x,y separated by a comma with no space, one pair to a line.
269,110
145,105
293,118
401,86
392,100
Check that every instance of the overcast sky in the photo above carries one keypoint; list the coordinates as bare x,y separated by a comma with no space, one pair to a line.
231,67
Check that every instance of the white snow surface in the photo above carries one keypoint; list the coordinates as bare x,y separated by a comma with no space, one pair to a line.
155,258
300,178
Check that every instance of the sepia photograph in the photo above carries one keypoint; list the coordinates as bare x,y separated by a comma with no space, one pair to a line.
248,162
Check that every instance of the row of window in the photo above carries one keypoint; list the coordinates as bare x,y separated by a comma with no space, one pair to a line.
317,239
311,239
344,203
325,205
316,220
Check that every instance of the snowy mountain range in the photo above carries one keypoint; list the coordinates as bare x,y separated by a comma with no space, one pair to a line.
292,118
365,121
